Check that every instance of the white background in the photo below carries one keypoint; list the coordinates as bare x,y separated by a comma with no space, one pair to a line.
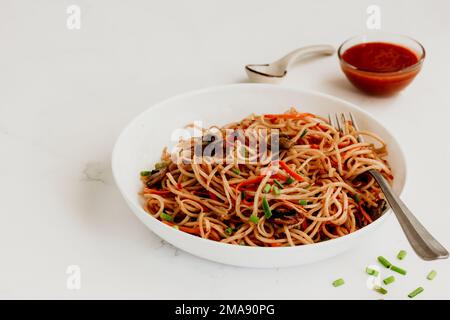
65,95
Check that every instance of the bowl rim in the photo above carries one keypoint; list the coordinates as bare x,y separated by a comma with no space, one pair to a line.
189,237
413,67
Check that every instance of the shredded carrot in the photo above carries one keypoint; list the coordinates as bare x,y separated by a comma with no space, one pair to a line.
288,116
344,144
364,213
158,192
292,173
275,244
258,179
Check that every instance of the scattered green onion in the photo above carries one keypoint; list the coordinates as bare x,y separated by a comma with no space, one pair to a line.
389,280
303,202
338,282
266,188
380,290
228,231
398,270
145,173
276,190
431,275
384,262
278,183
415,292
236,171
357,198
289,180
401,255
304,133
160,165
243,195
254,219
165,216
371,271
266,208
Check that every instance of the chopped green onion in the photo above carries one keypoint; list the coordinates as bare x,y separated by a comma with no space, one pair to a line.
389,280
303,202
384,262
276,190
278,183
338,282
254,219
398,270
401,255
304,133
228,230
289,180
431,275
266,208
160,165
243,195
165,216
145,173
357,198
415,292
380,290
236,171
371,271
266,188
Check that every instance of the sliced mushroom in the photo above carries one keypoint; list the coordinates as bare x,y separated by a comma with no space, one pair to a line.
156,176
285,142
285,216
376,212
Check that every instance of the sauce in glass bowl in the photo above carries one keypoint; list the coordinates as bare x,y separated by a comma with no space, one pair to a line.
381,67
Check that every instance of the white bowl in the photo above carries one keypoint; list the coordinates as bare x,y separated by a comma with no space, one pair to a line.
140,144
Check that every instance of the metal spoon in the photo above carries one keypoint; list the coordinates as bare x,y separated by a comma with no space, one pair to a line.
274,72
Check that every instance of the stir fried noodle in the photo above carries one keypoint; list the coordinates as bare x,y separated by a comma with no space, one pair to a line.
303,182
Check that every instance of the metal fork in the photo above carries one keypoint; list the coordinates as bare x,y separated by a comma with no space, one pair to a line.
423,243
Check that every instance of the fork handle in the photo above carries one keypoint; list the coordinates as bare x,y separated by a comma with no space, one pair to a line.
423,243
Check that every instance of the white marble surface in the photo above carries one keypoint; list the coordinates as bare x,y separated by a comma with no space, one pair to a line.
65,95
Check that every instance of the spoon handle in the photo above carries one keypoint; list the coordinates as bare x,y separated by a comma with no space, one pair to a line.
423,243
321,49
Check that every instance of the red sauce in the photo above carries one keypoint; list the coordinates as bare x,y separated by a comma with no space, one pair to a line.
376,67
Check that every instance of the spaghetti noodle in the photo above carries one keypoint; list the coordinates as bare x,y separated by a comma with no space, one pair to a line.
315,187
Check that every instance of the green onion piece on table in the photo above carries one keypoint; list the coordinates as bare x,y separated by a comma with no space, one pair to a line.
398,270
384,262
389,280
415,292
401,255
338,282
371,271
431,275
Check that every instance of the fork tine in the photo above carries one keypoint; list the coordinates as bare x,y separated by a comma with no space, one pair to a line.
355,125
338,123
344,123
